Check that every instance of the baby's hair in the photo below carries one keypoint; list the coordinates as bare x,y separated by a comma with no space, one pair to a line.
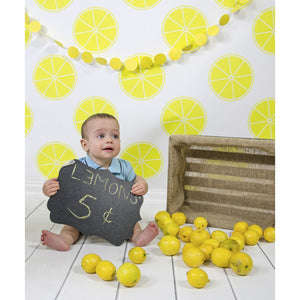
95,116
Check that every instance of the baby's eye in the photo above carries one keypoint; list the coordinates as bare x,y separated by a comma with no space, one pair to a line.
100,136
116,136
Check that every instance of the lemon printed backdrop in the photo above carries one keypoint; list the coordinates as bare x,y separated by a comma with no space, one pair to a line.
220,85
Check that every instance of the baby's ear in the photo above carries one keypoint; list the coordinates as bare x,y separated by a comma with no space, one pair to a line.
84,145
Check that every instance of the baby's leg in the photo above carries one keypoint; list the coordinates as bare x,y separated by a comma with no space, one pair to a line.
62,241
143,237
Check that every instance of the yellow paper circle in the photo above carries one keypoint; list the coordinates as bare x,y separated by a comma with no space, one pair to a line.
35,26
175,53
236,8
27,19
87,57
131,64
224,19
187,47
58,43
115,63
160,59
201,39
146,62
73,52
243,2
101,61
213,30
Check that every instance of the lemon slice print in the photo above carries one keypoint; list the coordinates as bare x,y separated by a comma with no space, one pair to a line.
51,157
145,158
183,115
53,5
263,31
229,4
181,25
90,106
28,119
231,77
142,4
27,35
142,84
95,30
54,77
261,119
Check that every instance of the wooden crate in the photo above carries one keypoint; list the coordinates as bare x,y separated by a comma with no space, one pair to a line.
223,179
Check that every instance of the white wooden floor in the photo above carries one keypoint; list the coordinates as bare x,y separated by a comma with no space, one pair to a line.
51,274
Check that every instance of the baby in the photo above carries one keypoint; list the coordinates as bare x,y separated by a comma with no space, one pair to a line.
101,141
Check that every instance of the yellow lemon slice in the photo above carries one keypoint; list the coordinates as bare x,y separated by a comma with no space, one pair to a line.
263,31
28,119
54,77
73,52
181,25
142,84
231,77
145,158
95,30
142,4
229,4
89,106
261,120
183,115
27,35
53,5
51,156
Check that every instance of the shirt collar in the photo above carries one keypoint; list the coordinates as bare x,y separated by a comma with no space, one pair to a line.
114,166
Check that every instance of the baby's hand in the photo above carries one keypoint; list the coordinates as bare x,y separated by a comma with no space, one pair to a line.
50,187
140,186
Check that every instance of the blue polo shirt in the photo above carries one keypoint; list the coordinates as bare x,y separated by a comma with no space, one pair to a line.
121,168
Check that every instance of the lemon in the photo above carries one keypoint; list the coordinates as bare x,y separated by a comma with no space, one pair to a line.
241,263
169,245
239,234
186,246
142,4
28,119
106,270
183,115
53,5
231,245
269,234
228,4
263,31
90,106
128,274
251,237
181,25
145,158
197,277
221,257
185,233
171,229
261,120
161,214
193,256
142,84
239,240
137,255
179,218
95,29
219,235
240,226
163,221
200,222
51,157
257,228
28,35
213,242
198,236
54,77
207,250
89,262
231,77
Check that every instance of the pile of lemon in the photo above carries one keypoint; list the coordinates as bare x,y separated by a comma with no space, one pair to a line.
201,246
128,274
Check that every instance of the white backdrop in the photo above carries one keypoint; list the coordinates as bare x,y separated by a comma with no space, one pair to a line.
140,31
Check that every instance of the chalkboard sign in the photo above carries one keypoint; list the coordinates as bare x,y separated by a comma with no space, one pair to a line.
95,202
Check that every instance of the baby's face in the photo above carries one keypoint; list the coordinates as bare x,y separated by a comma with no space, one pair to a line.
102,139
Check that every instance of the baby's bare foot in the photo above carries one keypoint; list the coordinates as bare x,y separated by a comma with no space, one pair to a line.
147,235
54,241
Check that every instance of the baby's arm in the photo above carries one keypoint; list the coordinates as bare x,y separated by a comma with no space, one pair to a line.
50,187
140,186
